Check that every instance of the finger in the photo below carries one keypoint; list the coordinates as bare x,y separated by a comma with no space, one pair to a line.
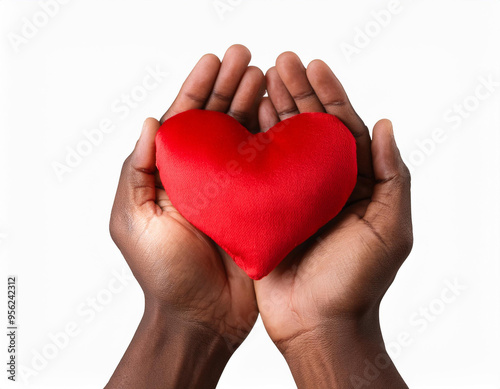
254,126
197,88
247,97
234,65
236,274
293,74
163,201
137,181
242,287
333,97
280,97
389,212
268,117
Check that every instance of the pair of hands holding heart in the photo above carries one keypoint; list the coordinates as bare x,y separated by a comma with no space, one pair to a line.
321,302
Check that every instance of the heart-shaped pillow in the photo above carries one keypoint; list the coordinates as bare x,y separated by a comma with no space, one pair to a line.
257,196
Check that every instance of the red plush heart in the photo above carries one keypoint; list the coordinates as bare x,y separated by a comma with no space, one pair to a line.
257,196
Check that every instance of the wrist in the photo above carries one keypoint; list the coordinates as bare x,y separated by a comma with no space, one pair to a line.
187,346
170,352
346,352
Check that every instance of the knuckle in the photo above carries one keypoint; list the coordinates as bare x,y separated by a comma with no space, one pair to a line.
401,179
239,115
339,103
221,96
303,95
288,111
195,97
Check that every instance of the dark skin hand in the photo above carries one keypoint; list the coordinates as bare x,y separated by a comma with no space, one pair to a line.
320,305
199,305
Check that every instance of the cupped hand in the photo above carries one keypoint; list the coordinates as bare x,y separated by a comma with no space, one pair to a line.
181,271
341,274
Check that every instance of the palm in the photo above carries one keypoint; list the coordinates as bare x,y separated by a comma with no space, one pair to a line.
178,266
337,272
328,275
221,291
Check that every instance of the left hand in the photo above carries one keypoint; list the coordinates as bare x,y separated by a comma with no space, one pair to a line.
320,305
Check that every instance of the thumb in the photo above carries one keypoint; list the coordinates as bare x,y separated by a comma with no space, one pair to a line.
137,180
389,212
137,183
143,158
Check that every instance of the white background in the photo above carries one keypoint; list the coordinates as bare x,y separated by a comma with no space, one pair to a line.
68,77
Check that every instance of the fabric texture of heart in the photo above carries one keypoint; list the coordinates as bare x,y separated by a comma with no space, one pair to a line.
257,196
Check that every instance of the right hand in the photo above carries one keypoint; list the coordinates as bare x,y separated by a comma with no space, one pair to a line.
181,271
